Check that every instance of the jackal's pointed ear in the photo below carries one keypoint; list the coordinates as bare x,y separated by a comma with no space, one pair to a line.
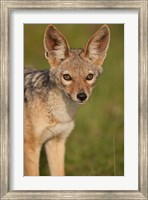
56,46
97,45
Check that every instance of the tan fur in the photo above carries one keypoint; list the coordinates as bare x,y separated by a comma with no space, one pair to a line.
51,100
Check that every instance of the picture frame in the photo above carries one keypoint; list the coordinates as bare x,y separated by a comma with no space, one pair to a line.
6,7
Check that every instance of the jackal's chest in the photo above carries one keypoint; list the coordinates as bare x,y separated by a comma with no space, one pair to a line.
59,121
53,118
59,130
62,128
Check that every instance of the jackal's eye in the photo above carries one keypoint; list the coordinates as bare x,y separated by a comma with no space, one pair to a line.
89,77
67,77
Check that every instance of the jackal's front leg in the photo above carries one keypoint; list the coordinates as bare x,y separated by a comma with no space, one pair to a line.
55,150
31,159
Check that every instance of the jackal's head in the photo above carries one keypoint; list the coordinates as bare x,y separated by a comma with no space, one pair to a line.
75,71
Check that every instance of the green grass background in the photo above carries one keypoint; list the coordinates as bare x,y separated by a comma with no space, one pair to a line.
96,145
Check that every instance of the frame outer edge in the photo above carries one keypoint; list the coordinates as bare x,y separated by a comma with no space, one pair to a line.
143,98
143,72
4,99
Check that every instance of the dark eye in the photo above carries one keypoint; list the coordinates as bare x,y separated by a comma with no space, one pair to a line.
89,77
67,77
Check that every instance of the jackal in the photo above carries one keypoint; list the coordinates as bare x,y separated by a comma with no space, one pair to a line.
52,97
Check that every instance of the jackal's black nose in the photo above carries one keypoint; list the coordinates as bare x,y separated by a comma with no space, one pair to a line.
81,96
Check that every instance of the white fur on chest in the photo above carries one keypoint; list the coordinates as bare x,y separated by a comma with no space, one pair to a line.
63,110
62,107
60,130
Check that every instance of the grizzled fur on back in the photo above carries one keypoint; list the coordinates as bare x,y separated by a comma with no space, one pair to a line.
52,97
36,82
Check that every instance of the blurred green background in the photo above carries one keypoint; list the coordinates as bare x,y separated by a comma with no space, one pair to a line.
96,145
